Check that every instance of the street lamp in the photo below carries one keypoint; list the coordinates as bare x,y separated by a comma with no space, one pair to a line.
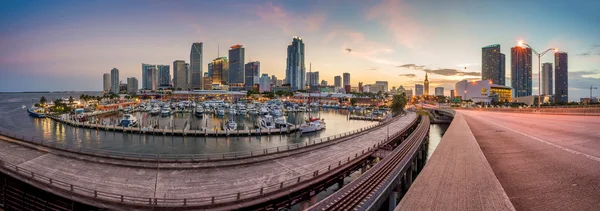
539,55
591,87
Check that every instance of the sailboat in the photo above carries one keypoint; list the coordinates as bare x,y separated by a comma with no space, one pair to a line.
313,124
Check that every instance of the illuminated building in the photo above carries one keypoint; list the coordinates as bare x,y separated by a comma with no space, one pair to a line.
561,85
520,71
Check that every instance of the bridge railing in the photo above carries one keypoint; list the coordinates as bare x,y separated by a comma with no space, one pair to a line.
70,188
559,110
184,157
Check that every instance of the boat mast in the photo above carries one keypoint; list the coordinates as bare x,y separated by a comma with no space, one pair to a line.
310,73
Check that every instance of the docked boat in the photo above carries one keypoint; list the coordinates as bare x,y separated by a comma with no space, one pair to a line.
266,122
243,111
276,112
252,111
128,120
36,112
281,123
263,111
199,111
232,111
165,112
220,112
313,125
155,111
231,124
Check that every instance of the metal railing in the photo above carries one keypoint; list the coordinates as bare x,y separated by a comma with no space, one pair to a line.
185,157
60,185
559,110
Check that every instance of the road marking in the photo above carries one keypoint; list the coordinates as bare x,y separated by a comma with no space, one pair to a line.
591,157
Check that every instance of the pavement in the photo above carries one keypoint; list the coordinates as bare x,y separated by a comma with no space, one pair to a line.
543,162
193,182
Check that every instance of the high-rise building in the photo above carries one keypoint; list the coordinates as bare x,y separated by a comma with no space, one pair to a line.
408,93
312,78
502,70
323,83
147,76
452,94
195,69
252,75
360,87
179,75
346,77
295,69
153,78
220,71
132,85
206,82
547,78
384,84
273,80
106,82
439,91
418,89
236,67
426,85
337,81
492,63
520,71
561,85
188,74
114,80
164,75
265,83
279,83
210,71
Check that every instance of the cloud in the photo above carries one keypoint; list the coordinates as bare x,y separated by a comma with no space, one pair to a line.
594,50
451,72
290,22
394,16
408,75
373,68
362,47
412,66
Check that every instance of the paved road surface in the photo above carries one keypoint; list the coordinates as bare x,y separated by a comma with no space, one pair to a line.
544,162
191,183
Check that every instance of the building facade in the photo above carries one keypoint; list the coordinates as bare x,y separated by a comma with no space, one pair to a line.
252,75
419,90
312,78
265,83
220,71
114,80
439,91
132,85
164,75
483,91
106,82
384,84
561,68
547,76
295,71
452,94
195,69
346,78
236,68
206,82
426,85
337,81
520,71
179,75
492,64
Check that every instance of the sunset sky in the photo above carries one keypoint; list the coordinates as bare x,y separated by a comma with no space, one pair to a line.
68,45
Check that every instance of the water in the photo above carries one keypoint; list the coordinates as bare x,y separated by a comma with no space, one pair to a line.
436,132
16,120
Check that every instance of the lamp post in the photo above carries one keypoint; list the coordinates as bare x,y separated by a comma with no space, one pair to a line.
591,87
539,55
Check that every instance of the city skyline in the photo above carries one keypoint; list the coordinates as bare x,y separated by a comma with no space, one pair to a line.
120,38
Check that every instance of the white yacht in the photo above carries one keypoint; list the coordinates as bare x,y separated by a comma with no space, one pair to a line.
263,111
280,122
155,111
276,112
166,111
231,124
243,111
252,110
232,111
199,111
128,120
301,109
313,125
266,122
220,112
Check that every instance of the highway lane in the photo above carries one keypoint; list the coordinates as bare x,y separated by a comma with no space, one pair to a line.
544,162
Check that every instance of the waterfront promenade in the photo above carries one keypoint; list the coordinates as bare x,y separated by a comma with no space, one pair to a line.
537,162
190,186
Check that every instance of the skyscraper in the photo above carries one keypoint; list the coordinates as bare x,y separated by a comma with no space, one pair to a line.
439,91
337,81
492,64
418,89
179,75
520,71
360,87
220,71
132,85
547,78
236,67
114,80
295,69
426,85
312,78
206,82
164,75
106,82
195,69
210,70
252,70
265,83
145,73
561,86
384,84
346,77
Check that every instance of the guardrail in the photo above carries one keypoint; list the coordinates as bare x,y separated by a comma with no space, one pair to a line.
184,157
584,111
68,188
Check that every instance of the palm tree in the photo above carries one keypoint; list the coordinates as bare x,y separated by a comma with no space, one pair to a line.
71,99
43,100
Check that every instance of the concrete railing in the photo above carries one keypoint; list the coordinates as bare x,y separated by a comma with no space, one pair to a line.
63,186
581,111
186,157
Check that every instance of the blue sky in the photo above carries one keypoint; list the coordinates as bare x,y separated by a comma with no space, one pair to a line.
68,45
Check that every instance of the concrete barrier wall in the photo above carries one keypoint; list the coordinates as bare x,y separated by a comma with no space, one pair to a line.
457,177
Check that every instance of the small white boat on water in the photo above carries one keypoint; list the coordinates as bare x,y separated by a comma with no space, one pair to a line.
165,112
263,111
231,124
155,111
220,112
252,111
232,111
276,112
199,111
313,125
243,111
266,122
128,120
280,122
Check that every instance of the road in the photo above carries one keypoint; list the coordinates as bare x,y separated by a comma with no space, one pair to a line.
543,162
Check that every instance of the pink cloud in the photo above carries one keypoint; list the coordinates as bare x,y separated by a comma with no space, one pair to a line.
394,16
290,22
